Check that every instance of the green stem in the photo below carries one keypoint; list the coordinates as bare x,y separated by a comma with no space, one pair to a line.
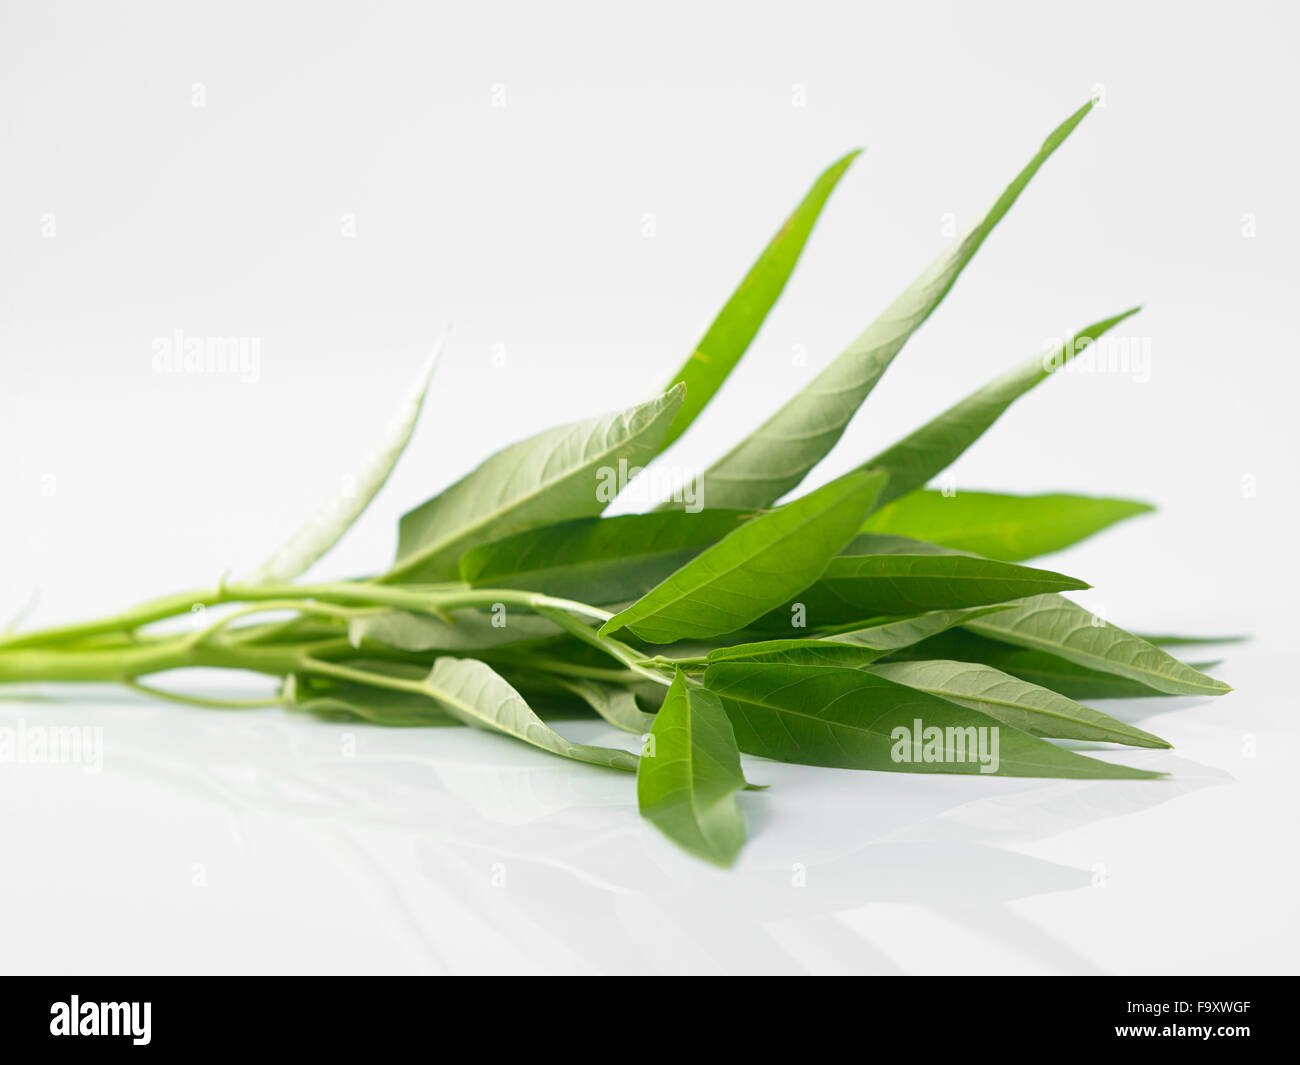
430,599
199,700
120,665
154,610
620,652
362,676
560,667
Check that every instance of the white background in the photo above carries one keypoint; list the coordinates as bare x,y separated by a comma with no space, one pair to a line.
578,239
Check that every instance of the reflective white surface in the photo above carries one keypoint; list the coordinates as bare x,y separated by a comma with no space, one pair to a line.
262,842
337,182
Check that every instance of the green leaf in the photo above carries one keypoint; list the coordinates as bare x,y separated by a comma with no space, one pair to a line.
1007,527
549,700
616,705
852,719
762,563
462,630
777,455
729,337
933,447
1189,641
853,648
573,471
1016,702
333,519
473,692
1037,667
599,560
1053,624
689,775
343,700
880,575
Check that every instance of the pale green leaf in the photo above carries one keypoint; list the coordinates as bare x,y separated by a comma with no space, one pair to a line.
461,630
473,692
573,471
339,513
1037,667
1016,702
1053,624
616,705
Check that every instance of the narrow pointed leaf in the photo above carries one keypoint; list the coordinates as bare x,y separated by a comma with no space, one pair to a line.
851,719
687,781
1037,667
759,565
473,692
463,630
328,525
1189,641
880,575
775,457
1053,624
731,333
1006,527
933,447
1015,702
599,560
854,648
616,705
342,700
569,472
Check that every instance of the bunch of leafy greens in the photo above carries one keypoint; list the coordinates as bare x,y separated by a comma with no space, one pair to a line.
867,624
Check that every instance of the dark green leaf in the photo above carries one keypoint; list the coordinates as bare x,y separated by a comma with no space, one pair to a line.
762,563
851,719
599,560
690,773
880,575
853,648
343,700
